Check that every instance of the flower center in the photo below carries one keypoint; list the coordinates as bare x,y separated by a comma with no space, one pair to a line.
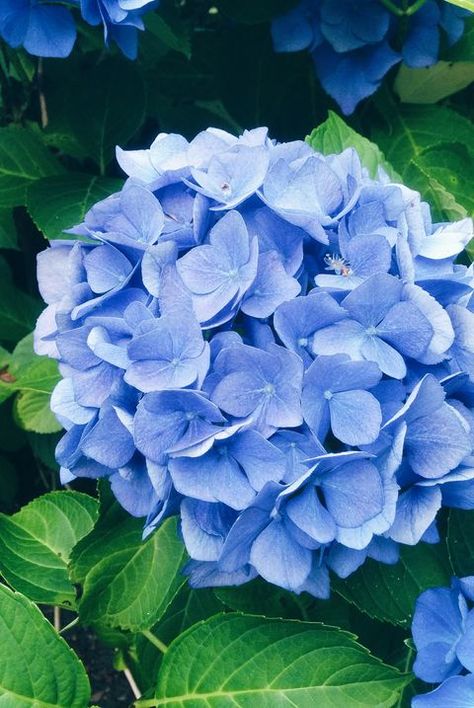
269,389
328,395
335,262
371,331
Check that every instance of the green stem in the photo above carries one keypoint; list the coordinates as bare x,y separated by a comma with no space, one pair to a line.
70,625
416,6
154,640
393,8
405,10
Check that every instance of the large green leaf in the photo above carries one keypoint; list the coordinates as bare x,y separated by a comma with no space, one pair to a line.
23,159
461,541
133,582
35,544
243,660
37,668
57,203
188,607
414,129
388,592
334,135
431,84
451,166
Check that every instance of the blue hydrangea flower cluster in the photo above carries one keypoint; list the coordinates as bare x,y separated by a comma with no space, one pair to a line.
272,344
47,29
354,43
443,632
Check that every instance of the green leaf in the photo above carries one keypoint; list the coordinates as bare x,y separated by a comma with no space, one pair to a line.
461,541
189,607
131,585
432,83
8,235
414,129
466,4
32,412
58,203
334,135
171,36
443,204
388,592
32,405
99,114
18,312
23,159
451,167
35,544
251,12
243,660
37,668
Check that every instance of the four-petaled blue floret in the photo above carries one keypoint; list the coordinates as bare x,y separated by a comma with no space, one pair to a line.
273,345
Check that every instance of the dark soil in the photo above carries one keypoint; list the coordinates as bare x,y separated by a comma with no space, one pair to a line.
110,688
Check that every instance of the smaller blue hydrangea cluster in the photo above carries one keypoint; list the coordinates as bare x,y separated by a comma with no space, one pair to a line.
354,43
47,29
443,632
271,343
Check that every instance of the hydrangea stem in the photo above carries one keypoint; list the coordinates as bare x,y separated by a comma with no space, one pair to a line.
154,640
405,9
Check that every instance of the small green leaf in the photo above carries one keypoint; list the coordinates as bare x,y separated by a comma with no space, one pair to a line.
461,541
37,668
334,135
23,159
33,412
466,4
32,405
388,592
431,84
244,660
35,544
58,203
131,585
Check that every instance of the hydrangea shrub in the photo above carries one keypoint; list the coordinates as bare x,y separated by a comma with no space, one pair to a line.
236,446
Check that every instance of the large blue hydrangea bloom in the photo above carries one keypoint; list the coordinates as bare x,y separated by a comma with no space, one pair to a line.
354,43
47,29
443,633
272,344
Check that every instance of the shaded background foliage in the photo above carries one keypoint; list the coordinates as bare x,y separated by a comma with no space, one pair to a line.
200,63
